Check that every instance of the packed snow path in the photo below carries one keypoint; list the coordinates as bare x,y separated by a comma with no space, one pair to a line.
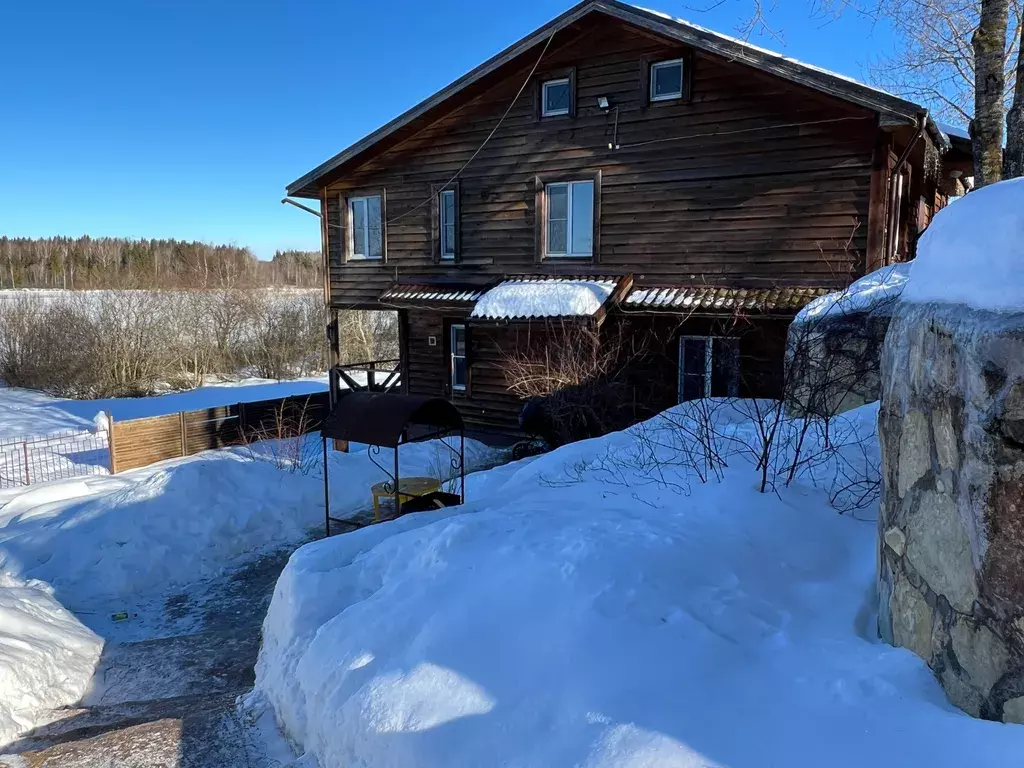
168,699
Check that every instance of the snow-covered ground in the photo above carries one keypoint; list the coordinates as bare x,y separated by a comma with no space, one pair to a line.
579,611
74,553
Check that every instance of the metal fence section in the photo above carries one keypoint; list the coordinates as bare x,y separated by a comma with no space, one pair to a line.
26,460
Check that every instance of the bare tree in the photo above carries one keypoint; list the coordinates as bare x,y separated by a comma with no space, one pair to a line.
989,43
1013,162
959,57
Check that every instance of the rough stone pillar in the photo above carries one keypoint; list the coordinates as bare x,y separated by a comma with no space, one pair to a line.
951,523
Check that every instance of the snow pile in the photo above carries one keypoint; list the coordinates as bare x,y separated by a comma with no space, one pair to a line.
177,522
144,532
609,622
543,298
877,291
47,656
973,252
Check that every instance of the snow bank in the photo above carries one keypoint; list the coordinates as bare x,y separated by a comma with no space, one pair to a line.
876,291
543,298
973,252
47,656
177,522
144,532
610,622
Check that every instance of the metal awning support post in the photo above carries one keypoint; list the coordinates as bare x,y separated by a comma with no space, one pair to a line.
327,491
398,488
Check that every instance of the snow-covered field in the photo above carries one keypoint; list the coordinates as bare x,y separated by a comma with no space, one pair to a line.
572,615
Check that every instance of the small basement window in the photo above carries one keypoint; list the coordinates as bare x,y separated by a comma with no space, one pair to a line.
364,233
449,217
667,80
570,219
457,353
556,97
708,367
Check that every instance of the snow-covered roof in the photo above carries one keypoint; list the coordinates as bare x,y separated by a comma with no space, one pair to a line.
973,252
431,293
877,291
523,298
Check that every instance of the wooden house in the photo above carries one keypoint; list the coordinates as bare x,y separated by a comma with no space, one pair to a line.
635,175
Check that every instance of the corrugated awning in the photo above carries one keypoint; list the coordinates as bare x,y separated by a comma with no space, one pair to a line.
528,297
704,298
432,293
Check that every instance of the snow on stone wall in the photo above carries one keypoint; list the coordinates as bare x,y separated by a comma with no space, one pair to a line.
951,523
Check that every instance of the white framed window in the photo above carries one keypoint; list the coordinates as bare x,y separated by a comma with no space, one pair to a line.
667,80
708,367
570,219
448,214
556,97
457,357
365,229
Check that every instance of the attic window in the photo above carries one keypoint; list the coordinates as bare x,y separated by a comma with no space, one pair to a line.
667,80
557,97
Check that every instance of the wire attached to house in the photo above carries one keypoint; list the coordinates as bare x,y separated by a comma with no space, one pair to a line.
490,135
741,130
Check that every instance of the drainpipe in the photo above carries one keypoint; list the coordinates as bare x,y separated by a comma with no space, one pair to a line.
922,122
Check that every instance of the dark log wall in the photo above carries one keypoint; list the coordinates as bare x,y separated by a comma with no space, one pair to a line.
753,205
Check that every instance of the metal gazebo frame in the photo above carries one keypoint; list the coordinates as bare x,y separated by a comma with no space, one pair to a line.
386,420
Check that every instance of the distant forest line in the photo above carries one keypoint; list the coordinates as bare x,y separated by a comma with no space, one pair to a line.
115,262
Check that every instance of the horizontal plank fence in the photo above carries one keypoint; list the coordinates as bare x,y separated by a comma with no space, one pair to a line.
139,442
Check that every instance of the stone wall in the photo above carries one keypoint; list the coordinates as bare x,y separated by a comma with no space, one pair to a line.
832,364
951,523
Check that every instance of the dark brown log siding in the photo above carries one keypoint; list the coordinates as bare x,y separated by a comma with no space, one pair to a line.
762,205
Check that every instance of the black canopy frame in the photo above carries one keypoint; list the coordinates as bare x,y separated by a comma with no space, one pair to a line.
386,420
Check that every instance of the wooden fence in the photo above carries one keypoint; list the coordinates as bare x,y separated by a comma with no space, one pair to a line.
140,442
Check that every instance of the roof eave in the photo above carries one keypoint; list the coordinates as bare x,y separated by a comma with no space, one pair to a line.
307,183
891,107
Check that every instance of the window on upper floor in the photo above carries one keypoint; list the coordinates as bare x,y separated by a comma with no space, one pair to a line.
569,216
448,224
556,97
365,228
667,80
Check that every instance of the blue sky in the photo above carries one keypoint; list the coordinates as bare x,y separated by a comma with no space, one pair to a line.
186,119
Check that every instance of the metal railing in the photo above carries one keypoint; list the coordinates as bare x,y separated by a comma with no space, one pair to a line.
30,459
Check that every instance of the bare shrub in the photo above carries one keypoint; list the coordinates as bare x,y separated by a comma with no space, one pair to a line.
131,348
46,347
574,379
285,339
285,440
367,335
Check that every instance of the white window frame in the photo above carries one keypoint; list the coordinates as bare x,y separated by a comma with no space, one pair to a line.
568,253
544,111
452,356
446,254
709,351
662,64
352,255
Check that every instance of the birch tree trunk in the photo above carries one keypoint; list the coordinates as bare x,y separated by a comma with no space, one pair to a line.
989,44
1013,162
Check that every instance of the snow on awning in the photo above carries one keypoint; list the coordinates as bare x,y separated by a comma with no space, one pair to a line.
432,293
523,298
703,298
877,292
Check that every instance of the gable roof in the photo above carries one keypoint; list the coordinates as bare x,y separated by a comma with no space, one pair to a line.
893,109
